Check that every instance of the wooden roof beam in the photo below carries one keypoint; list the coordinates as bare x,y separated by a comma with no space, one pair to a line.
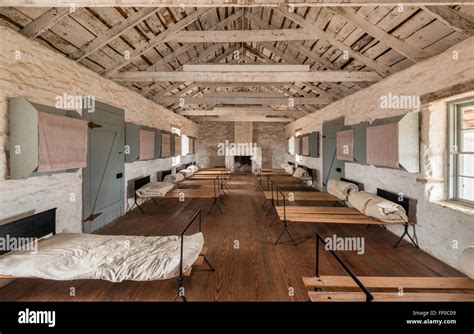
315,76
383,70
114,32
44,22
413,53
452,18
162,37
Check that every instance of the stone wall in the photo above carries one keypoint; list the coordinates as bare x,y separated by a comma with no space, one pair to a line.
40,74
210,135
438,227
270,137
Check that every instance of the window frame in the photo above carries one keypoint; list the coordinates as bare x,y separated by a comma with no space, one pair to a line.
455,119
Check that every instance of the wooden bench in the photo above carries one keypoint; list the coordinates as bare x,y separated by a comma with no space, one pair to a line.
432,288
199,261
304,196
341,296
377,282
342,215
390,283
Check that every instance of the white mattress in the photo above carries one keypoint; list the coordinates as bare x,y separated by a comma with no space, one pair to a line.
69,256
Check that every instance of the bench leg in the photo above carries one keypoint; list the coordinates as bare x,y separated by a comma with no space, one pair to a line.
215,204
414,239
285,229
209,264
223,203
273,221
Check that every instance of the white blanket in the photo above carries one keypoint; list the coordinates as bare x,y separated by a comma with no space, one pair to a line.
153,189
289,169
301,173
174,178
341,189
186,172
377,207
193,168
69,256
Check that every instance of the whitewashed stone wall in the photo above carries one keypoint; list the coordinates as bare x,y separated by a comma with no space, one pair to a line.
40,75
210,135
438,226
270,137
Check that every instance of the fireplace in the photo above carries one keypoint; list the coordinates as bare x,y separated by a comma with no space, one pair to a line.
242,163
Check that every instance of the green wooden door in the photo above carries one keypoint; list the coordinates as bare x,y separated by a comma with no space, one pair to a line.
332,168
103,185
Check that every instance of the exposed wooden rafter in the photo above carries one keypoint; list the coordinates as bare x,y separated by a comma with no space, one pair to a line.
318,76
44,22
452,18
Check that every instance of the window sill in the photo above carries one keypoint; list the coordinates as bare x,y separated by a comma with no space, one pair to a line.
458,206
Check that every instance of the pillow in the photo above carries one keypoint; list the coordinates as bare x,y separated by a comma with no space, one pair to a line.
341,189
386,211
466,262
289,169
359,200
300,173
193,168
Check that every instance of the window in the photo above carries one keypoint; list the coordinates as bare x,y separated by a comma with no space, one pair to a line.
176,160
291,145
184,145
461,152
297,145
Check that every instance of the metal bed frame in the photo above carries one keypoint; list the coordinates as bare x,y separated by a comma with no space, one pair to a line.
404,202
44,223
197,217
140,182
346,268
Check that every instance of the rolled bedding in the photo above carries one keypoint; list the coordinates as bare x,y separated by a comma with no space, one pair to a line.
193,168
186,172
377,207
301,173
174,178
341,189
289,169
154,189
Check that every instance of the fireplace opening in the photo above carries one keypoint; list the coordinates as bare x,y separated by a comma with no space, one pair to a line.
242,163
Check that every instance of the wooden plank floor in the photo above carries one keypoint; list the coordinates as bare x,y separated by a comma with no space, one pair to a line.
255,271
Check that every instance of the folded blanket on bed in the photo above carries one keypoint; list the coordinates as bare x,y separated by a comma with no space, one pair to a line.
386,211
193,168
341,189
359,200
301,173
289,169
153,189
186,172
69,256
174,178
377,207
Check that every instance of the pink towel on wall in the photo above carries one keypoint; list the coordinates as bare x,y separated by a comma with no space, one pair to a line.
165,145
177,145
305,146
382,145
62,143
345,145
147,145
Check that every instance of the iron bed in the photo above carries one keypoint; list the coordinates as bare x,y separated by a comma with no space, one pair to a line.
43,224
